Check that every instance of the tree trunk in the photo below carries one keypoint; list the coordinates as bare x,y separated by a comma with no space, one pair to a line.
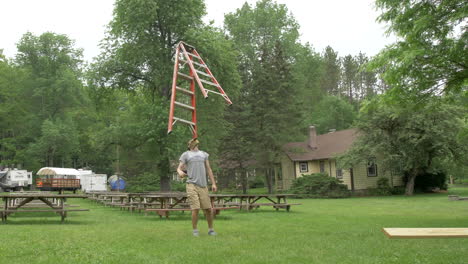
410,184
268,181
243,174
164,171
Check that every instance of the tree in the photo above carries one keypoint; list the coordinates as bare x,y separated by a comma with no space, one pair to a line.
333,113
408,138
43,83
348,81
137,58
57,144
54,67
267,40
332,72
366,80
431,53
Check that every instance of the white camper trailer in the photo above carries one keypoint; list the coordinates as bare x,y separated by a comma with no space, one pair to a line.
14,179
92,182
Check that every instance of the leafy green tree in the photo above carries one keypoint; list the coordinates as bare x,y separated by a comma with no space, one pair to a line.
266,37
366,79
54,67
137,58
333,113
332,72
431,53
14,112
308,75
348,81
409,138
57,144
43,83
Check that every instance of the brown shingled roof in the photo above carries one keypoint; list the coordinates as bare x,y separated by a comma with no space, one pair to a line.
328,146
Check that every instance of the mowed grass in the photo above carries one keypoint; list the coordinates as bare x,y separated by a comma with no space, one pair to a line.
318,231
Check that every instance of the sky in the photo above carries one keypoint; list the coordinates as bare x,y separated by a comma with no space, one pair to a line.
349,27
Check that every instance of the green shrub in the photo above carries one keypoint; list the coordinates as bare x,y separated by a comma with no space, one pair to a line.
319,185
398,190
145,182
256,182
383,187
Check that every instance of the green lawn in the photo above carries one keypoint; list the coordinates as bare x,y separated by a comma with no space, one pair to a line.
318,231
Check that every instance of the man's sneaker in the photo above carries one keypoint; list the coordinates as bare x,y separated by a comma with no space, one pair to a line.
196,233
212,233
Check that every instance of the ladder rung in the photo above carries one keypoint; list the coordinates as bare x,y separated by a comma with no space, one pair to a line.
193,55
188,92
184,121
185,106
210,83
211,91
185,76
194,62
204,73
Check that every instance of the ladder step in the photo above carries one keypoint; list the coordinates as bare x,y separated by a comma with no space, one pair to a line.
193,55
210,83
184,121
203,73
185,76
194,62
188,92
185,106
211,91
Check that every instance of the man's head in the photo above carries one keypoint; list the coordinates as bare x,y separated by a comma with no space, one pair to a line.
193,143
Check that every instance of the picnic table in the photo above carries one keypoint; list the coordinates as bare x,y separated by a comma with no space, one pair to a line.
253,201
22,202
163,203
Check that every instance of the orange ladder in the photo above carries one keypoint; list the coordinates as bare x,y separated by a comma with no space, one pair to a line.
186,55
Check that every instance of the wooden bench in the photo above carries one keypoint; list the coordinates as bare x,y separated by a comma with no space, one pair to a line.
286,206
217,210
4,213
165,211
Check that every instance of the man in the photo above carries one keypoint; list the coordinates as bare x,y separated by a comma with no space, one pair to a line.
197,165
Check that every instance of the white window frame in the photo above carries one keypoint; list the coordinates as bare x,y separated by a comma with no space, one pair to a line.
322,166
340,174
306,166
372,163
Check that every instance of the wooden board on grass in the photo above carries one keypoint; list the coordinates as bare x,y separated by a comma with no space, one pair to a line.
425,232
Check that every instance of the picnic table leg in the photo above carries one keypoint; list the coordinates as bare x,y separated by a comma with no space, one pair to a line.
62,206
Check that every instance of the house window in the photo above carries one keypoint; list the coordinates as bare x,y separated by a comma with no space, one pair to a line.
339,173
322,166
371,168
303,167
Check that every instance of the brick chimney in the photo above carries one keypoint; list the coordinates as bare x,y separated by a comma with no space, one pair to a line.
312,137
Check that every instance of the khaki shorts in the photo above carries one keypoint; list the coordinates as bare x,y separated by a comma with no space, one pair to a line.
198,197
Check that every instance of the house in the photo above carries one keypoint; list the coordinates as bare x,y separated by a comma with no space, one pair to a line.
318,154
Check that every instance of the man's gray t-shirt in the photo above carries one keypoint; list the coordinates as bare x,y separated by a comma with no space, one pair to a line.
195,163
